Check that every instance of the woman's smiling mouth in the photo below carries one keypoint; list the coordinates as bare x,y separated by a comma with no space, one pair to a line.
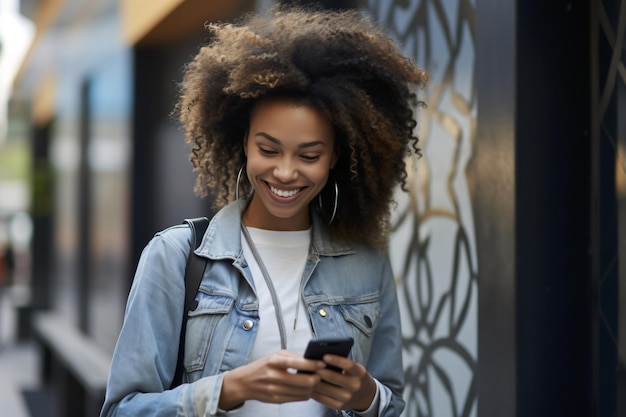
284,193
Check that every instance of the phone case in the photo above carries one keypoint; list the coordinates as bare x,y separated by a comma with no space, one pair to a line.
317,348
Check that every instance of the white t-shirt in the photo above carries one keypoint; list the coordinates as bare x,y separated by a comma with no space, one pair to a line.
284,255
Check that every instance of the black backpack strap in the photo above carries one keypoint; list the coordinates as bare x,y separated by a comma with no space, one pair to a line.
193,276
195,264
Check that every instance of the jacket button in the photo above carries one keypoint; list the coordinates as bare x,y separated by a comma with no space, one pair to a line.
323,312
248,324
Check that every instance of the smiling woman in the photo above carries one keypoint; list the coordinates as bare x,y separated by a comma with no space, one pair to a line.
290,151
344,65
310,114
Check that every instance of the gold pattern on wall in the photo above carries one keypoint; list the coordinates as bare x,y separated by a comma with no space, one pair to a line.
433,249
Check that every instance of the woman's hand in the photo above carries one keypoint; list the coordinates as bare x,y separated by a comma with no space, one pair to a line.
352,389
271,379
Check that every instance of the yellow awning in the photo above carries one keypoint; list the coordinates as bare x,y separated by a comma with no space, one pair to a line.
149,22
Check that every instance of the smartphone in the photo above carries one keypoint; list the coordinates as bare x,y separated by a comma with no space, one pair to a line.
317,348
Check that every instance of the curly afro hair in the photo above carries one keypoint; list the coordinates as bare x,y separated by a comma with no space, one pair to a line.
338,61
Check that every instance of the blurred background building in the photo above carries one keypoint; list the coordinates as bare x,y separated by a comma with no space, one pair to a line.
509,250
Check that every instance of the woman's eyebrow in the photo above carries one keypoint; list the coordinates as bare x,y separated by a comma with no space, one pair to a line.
277,142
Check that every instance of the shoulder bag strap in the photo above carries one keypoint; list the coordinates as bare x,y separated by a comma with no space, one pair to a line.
193,276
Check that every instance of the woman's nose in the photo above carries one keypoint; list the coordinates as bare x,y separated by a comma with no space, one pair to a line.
286,170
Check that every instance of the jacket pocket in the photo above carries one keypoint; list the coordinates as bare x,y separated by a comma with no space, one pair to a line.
365,316
358,318
201,324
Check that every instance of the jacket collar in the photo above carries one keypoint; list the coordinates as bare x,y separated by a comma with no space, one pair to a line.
222,238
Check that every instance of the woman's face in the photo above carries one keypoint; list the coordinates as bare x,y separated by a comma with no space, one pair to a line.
290,149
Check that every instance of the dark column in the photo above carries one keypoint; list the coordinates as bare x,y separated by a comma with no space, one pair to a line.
145,111
532,194
84,251
553,209
42,206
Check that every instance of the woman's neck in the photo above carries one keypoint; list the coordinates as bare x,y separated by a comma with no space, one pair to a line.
258,217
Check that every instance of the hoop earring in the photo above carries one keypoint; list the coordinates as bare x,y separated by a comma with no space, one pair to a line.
238,180
319,200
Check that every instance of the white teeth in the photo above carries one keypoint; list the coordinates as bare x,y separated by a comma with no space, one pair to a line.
283,193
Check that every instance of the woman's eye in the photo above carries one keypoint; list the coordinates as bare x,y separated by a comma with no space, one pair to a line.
266,151
310,158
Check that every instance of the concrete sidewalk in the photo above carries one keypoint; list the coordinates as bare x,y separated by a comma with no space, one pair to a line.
18,373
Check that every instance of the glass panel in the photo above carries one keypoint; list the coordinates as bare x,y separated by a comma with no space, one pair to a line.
433,246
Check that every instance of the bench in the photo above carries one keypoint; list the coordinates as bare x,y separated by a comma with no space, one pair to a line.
76,364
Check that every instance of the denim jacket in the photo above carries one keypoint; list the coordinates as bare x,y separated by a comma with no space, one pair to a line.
348,290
